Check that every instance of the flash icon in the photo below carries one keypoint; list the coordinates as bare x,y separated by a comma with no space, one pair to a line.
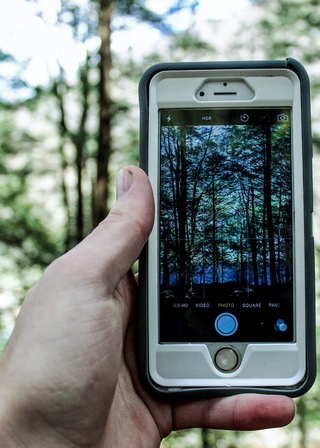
168,118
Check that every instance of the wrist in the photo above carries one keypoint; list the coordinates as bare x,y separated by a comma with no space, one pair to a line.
20,428
22,421
11,425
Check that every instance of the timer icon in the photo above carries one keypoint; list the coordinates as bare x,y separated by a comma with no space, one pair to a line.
244,117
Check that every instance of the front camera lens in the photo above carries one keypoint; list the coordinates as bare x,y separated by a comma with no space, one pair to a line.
201,93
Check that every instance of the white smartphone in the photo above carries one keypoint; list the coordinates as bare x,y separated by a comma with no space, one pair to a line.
227,276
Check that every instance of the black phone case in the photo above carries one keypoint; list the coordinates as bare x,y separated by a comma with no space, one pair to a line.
189,392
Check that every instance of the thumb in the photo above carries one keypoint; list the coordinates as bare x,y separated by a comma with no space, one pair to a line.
112,248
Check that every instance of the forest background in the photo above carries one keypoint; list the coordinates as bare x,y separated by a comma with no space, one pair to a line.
69,120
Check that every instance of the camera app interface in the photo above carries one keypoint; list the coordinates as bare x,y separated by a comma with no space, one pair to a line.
225,259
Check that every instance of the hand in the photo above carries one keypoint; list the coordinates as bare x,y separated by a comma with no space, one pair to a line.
69,378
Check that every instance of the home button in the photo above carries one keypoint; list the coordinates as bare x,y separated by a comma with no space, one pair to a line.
227,359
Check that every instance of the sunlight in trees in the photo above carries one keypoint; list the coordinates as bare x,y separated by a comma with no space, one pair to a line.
50,109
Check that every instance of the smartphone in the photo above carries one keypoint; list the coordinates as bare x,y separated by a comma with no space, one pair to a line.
227,301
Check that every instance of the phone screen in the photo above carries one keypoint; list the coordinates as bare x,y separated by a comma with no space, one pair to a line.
225,229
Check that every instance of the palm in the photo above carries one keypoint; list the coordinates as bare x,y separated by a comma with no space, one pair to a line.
147,421
135,419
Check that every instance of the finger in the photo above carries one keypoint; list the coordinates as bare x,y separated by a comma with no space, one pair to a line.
239,412
111,249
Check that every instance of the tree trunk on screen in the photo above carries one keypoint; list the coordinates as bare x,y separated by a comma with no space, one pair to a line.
268,200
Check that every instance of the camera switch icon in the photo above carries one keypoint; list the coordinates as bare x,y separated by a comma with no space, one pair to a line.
281,118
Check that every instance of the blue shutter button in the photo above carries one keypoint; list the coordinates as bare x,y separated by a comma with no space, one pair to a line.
226,324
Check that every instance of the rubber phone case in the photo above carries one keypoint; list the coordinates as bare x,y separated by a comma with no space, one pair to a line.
143,323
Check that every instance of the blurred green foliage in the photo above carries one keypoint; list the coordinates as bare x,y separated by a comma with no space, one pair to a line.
39,131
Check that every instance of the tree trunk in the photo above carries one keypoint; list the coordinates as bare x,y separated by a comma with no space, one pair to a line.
181,187
204,433
165,252
79,139
104,141
267,195
302,411
58,88
252,239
